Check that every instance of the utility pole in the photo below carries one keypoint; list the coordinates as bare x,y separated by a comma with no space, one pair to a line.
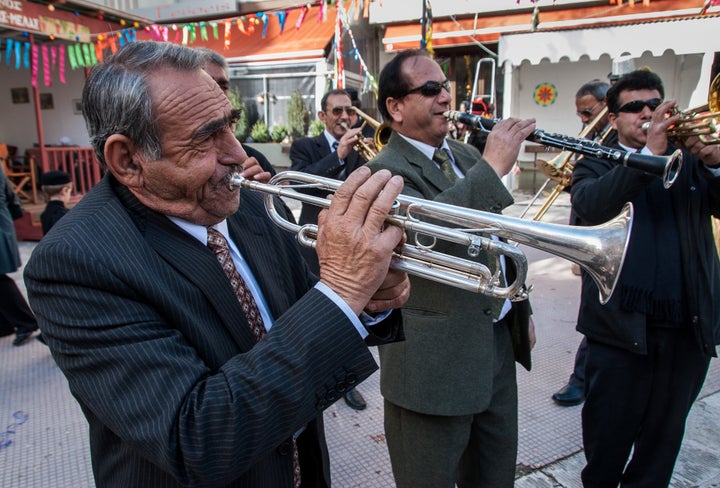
423,22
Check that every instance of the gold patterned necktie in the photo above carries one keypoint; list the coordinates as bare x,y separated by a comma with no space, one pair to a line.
443,159
217,242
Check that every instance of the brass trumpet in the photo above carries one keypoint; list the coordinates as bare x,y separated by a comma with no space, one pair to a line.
380,138
600,250
699,121
665,167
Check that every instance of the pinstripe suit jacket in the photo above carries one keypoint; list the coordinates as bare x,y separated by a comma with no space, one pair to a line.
155,347
445,365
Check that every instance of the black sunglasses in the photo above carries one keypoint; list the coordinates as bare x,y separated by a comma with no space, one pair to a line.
637,106
430,88
337,111
588,112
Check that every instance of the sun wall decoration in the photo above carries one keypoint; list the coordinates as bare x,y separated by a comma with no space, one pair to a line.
545,94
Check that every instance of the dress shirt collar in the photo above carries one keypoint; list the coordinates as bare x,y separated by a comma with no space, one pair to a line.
200,232
427,149
330,138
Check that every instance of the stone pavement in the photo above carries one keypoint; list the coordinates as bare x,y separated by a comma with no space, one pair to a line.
43,434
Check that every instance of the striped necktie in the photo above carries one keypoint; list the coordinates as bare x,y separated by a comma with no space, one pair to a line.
218,244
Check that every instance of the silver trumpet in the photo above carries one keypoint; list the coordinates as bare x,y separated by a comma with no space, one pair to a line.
599,250
665,167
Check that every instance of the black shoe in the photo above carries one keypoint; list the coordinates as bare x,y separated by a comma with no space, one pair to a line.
21,338
568,396
354,400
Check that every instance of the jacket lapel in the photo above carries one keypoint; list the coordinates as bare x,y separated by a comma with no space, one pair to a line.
194,261
428,169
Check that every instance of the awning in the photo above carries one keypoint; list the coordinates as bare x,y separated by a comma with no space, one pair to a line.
310,40
489,29
680,36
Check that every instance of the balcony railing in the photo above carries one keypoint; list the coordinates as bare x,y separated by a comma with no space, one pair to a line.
79,162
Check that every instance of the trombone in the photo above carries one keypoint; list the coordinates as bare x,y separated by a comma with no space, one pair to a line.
559,168
600,250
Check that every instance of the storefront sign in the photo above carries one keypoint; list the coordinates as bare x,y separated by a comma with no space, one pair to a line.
36,18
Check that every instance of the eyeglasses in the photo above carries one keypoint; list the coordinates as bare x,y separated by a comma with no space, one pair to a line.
430,88
637,106
337,111
588,112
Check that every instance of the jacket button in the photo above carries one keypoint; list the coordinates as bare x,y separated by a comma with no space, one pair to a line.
351,379
284,449
332,395
487,311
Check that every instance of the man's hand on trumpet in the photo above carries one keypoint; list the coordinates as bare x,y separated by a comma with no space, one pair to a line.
660,122
707,153
354,246
251,170
347,142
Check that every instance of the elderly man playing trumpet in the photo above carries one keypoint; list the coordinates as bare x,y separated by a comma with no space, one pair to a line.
649,347
200,348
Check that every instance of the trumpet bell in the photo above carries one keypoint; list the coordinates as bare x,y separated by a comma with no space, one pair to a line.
703,121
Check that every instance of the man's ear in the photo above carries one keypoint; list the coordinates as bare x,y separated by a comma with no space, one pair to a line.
120,157
394,106
612,118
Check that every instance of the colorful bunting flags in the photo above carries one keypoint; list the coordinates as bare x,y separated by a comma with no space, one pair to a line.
85,54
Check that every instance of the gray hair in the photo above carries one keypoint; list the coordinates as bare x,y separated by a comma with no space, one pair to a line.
116,97
596,88
212,57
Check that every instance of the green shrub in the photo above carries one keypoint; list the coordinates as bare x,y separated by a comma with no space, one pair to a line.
316,127
298,115
241,126
279,132
260,132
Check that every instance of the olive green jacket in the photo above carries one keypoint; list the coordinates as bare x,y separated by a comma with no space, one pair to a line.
445,364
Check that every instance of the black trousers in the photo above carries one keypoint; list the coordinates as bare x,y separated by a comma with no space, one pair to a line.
639,403
14,310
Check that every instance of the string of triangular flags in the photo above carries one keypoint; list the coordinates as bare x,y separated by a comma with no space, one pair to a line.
86,54
369,82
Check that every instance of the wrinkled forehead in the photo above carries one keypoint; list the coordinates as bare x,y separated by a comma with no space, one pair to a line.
186,99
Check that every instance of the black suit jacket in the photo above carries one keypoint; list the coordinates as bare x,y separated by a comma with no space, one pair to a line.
142,321
313,155
599,191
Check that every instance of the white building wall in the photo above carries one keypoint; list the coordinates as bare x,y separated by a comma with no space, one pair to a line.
680,75
18,126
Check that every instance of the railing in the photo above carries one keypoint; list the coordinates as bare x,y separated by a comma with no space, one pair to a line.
79,162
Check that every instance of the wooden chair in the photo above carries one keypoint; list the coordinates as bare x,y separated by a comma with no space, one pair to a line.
20,176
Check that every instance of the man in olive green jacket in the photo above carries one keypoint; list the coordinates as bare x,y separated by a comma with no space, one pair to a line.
450,389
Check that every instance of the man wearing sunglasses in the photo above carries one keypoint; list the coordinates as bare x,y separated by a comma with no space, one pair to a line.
331,155
649,347
451,392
